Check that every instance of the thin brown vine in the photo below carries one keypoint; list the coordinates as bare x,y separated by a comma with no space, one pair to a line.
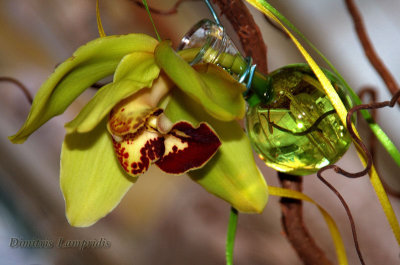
373,140
21,86
361,173
171,11
369,50
294,227
312,128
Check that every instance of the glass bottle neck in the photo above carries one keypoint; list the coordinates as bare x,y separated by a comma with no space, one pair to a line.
207,42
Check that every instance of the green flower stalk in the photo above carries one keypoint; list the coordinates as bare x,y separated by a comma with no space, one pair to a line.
157,110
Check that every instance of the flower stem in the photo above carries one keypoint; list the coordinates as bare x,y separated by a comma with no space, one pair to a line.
151,19
230,239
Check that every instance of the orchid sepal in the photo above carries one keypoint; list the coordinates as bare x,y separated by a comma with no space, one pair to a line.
231,174
89,64
91,179
217,91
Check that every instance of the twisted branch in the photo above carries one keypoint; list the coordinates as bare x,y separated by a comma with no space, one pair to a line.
360,145
293,224
373,140
171,11
369,50
246,28
21,86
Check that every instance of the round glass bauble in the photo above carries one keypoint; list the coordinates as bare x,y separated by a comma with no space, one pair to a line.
298,131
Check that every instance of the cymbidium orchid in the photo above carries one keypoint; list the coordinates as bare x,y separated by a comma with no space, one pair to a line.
158,109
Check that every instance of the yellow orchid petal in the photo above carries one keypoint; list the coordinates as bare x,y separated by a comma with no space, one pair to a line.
129,115
91,179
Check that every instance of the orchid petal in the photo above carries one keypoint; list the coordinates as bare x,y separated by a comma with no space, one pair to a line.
232,173
91,179
101,104
90,63
188,148
138,66
213,88
131,114
135,71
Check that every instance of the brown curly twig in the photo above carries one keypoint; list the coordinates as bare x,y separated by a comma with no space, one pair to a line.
361,173
372,138
369,50
21,86
346,207
373,98
170,11
312,128
294,227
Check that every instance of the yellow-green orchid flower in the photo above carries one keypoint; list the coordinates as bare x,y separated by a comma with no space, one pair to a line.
158,109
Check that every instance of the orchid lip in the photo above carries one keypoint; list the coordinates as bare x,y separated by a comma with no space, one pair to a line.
137,151
188,148
181,149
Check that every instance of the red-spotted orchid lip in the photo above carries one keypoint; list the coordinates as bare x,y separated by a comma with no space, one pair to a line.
137,151
188,148
139,142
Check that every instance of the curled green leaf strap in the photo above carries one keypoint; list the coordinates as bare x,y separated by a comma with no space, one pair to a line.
230,239
376,129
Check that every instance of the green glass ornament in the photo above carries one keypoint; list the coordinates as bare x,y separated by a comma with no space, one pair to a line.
298,131
290,121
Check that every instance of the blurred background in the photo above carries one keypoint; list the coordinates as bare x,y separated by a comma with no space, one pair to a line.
169,219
